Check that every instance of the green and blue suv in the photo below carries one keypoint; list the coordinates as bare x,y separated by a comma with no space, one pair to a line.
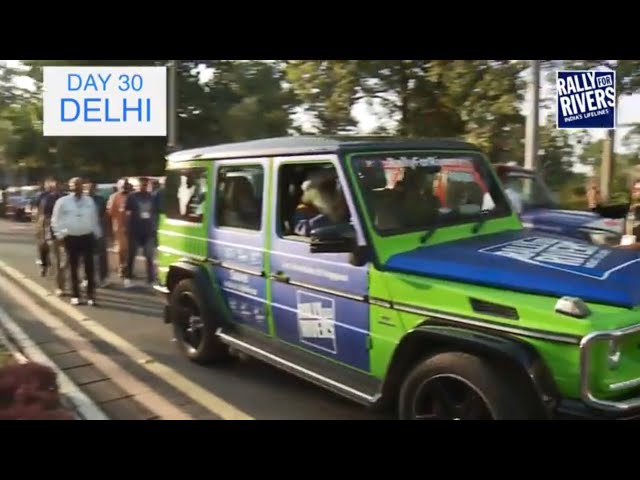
427,309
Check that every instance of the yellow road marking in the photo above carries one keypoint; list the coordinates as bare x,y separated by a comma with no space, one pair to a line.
208,400
118,375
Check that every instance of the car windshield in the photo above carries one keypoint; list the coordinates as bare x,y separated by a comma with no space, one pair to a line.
423,190
530,188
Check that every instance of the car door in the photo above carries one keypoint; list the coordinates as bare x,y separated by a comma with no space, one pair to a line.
237,239
318,300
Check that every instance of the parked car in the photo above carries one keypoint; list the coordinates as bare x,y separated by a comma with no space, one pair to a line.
19,204
397,301
105,189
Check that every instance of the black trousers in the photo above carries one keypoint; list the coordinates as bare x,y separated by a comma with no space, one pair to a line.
81,247
101,253
147,244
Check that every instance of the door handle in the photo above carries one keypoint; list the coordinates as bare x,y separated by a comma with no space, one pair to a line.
280,277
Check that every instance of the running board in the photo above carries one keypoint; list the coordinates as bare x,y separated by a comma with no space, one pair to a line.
297,370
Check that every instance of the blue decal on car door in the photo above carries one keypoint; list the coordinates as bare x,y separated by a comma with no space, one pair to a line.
318,299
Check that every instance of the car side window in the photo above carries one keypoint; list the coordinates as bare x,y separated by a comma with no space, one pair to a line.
310,195
239,192
185,194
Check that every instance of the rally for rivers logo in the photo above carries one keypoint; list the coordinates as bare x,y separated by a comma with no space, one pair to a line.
586,99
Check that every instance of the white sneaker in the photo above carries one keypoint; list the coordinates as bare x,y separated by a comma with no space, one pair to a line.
91,303
127,283
75,301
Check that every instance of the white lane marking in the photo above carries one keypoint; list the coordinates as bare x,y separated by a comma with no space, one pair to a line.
208,400
83,405
118,375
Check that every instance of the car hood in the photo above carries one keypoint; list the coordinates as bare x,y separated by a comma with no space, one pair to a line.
531,263
571,219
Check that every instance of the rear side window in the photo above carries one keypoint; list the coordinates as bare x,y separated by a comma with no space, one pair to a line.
185,194
239,193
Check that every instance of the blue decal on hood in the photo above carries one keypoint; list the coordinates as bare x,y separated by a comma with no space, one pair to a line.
540,264
573,257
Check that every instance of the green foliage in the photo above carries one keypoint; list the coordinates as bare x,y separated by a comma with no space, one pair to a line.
327,90
243,100
477,100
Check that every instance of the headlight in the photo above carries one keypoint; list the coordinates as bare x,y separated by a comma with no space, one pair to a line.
572,306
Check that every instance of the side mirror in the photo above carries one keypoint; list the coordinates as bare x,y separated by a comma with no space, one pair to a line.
333,239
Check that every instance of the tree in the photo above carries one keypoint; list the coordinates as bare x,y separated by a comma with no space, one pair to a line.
327,91
557,158
631,140
627,83
242,100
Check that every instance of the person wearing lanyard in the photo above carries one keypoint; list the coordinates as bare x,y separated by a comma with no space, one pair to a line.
75,221
140,208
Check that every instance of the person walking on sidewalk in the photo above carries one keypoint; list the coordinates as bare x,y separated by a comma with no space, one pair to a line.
43,206
75,221
116,211
140,208
47,241
101,243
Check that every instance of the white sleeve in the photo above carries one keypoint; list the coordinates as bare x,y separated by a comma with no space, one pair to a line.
57,225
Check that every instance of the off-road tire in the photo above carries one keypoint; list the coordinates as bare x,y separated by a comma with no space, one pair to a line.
503,395
210,348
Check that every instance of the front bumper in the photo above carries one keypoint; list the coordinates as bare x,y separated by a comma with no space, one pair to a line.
607,408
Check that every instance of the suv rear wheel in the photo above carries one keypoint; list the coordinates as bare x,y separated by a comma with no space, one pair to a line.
460,386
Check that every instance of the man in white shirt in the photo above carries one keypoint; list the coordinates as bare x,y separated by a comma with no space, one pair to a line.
75,221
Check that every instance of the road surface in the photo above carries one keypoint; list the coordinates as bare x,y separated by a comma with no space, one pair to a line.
135,315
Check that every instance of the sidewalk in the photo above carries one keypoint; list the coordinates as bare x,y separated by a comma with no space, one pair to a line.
6,357
25,371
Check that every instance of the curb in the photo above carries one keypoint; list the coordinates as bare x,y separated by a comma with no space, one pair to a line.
27,350
197,393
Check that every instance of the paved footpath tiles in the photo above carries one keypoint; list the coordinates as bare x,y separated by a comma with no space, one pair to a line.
126,409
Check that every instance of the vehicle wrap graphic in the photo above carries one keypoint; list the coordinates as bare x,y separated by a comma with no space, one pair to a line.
545,265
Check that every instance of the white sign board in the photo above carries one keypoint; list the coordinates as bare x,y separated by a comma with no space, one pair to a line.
105,101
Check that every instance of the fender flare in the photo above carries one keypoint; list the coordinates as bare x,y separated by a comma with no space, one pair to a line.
185,269
429,339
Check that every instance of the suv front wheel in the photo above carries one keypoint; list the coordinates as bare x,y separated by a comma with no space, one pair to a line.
460,386
194,325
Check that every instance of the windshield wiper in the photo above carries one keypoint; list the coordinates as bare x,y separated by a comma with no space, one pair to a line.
484,214
427,235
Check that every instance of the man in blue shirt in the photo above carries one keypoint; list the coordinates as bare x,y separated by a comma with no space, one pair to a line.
141,219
